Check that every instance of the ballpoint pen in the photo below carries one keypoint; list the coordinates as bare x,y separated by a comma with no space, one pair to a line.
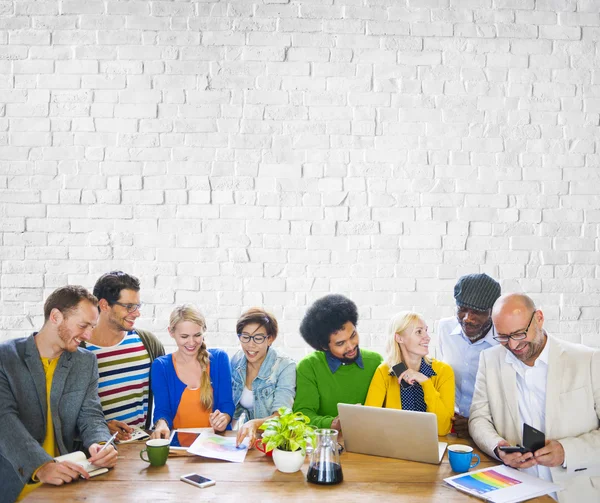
110,442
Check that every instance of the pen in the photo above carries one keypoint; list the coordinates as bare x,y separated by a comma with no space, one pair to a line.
110,442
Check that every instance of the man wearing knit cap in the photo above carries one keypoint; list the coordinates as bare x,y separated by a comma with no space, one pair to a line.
463,337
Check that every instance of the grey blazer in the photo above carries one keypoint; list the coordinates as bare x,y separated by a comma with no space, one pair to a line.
76,411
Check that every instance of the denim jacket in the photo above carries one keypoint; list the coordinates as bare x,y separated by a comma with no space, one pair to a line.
273,387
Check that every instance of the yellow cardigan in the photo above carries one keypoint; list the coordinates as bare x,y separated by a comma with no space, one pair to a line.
438,391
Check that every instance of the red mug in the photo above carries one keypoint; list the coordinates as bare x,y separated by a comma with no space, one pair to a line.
261,447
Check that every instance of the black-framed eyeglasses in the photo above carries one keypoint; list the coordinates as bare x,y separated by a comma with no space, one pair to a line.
517,336
258,339
131,308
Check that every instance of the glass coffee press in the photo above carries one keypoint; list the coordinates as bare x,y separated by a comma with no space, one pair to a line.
324,466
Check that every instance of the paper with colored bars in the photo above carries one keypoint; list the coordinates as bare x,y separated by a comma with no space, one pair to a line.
501,484
214,446
486,481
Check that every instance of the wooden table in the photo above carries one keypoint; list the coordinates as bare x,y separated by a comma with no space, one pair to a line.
366,478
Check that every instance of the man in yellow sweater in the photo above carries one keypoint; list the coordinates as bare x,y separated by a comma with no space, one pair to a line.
49,397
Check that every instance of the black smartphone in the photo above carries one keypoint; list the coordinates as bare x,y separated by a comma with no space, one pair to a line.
397,371
509,449
533,439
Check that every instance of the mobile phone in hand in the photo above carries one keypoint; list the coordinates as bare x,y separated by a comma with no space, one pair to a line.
510,449
533,439
397,370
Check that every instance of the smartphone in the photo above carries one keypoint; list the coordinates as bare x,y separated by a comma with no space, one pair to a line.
197,480
533,439
397,371
509,449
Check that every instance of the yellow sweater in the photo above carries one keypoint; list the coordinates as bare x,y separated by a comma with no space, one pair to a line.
438,391
49,444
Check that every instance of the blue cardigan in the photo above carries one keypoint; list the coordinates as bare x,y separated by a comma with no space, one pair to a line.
167,388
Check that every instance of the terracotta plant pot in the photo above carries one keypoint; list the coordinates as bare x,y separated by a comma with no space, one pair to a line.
288,462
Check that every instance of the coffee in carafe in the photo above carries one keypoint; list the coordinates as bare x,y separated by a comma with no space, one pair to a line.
324,467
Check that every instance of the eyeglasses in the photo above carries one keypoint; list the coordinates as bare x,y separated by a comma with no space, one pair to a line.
130,307
517,336
258,339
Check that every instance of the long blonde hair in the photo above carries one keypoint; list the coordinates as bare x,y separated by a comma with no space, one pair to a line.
187,312
398,324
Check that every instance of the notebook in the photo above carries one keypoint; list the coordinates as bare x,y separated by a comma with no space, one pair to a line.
408,434
80,459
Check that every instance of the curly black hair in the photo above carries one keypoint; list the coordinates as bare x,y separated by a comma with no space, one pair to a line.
325,317
109,286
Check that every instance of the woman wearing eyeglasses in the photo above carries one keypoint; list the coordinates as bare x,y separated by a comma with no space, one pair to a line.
192,386
263,379
425,384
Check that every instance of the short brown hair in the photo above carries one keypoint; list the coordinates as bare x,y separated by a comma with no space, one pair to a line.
66,299
260,316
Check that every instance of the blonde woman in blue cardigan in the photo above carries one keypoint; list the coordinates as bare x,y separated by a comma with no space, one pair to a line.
429,383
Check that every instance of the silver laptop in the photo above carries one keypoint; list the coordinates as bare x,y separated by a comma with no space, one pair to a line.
391,433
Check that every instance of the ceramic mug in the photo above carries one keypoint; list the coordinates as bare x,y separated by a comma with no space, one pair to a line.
262,447
460,457
157,451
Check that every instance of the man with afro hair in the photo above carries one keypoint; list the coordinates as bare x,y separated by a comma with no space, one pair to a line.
338,371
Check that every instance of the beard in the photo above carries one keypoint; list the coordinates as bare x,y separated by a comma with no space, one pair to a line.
348,361
481,329
66,337
534,348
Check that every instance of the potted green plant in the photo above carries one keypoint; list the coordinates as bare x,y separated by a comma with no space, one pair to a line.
288,435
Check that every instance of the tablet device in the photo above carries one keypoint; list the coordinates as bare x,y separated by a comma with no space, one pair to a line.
182,440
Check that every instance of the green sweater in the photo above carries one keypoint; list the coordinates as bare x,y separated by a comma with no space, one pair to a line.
318,391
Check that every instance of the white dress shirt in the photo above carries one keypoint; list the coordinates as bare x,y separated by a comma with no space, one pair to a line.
531,389
462,355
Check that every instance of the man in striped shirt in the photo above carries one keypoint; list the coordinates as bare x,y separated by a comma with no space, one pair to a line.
124,354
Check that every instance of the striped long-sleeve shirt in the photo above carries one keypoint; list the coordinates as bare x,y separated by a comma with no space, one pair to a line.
123,386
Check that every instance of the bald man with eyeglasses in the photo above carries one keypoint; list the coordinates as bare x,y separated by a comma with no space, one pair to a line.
552,385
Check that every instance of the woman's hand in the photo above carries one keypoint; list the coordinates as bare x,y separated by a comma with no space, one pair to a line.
412,376
219,420
249,430
161,430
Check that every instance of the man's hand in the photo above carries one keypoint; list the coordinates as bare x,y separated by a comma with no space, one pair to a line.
461,425
123,430
161,430
552,454
248,430
61,473
336,424
516,459
219,420
105,459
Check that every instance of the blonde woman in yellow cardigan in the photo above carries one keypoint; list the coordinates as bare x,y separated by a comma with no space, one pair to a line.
429,383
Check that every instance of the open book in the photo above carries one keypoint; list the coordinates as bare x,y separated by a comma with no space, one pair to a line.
501,484
80,459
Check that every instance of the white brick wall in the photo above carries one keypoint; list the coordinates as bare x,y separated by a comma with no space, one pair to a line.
265,153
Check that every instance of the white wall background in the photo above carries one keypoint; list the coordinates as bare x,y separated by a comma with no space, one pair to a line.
242,153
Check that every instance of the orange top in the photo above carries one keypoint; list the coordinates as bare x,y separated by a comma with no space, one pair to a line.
191,413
